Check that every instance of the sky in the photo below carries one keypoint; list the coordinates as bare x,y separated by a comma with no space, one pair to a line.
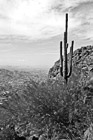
31,30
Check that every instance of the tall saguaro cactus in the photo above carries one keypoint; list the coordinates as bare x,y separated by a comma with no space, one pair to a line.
63,59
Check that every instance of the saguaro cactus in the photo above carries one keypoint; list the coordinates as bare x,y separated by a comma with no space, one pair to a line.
63,59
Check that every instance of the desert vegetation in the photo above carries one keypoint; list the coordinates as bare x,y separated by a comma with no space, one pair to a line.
48,108
52,108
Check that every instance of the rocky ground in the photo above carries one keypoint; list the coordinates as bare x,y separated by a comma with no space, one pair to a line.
82,64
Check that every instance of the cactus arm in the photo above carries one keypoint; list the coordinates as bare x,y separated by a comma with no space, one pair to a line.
71,55
61,59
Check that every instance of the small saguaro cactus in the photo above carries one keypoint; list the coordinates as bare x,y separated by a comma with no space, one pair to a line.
63,58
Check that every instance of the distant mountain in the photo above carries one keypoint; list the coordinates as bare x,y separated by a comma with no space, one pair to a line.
82,65
11,73
16,80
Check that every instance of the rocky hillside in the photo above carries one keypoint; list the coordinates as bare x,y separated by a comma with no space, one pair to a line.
82,63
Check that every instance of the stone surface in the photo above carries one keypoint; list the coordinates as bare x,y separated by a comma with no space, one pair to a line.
82,63
88,135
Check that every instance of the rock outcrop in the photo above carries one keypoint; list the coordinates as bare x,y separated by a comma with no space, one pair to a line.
82,61
88,134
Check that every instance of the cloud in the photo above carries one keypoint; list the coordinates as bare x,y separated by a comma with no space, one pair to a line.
28,18
36,19
83,13
30,30
31,19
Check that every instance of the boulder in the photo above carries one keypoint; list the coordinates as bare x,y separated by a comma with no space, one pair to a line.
88,135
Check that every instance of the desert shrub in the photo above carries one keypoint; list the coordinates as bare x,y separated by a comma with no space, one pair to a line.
7,132
53,109
62,109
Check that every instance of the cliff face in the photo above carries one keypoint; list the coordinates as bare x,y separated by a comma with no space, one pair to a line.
82,62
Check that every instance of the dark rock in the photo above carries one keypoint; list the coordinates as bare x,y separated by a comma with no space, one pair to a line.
20,137
35,138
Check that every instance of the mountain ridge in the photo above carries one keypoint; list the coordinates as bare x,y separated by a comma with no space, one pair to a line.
82,60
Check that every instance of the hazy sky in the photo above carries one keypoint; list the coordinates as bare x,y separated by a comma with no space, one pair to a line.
30,30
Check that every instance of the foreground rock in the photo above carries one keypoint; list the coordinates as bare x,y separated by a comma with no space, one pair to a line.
88,135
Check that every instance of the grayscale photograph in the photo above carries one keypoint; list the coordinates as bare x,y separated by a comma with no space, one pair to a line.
46,69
